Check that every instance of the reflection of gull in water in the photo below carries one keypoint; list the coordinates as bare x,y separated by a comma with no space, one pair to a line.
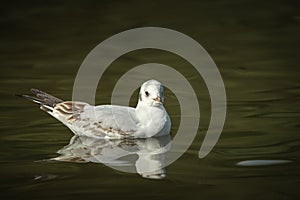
120,154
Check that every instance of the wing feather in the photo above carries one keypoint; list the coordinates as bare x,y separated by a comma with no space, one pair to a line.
99,121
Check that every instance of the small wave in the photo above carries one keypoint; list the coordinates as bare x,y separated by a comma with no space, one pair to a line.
262,162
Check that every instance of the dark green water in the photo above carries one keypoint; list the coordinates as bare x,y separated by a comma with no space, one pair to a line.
256,47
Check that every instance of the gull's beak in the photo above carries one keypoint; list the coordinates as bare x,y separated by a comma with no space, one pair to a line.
157,99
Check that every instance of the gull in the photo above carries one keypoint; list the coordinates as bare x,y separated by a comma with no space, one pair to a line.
148,119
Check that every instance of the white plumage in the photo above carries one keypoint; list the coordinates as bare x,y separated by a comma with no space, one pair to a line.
148,119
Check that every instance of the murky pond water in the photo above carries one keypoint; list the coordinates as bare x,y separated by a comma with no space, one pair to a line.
256,48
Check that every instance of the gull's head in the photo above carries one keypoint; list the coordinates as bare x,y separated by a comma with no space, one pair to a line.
152,93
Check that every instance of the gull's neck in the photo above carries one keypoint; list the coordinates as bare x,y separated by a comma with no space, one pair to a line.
151,118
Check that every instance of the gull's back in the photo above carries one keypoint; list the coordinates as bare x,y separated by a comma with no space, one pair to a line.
107,120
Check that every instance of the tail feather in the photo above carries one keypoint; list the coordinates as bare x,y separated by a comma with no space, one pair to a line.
46,101
46,98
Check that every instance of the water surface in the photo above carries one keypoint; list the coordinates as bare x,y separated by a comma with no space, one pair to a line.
256,47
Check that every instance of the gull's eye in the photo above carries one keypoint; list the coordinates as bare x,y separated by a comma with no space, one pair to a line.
147,93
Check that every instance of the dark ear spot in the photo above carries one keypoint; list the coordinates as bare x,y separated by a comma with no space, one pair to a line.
140,97
147,93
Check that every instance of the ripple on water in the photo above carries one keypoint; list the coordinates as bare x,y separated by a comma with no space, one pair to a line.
250,163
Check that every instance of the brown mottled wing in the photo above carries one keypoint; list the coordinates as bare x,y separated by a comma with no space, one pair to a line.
96,121
113,120
68,111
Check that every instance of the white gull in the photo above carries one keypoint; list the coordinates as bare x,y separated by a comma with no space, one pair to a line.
148,119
